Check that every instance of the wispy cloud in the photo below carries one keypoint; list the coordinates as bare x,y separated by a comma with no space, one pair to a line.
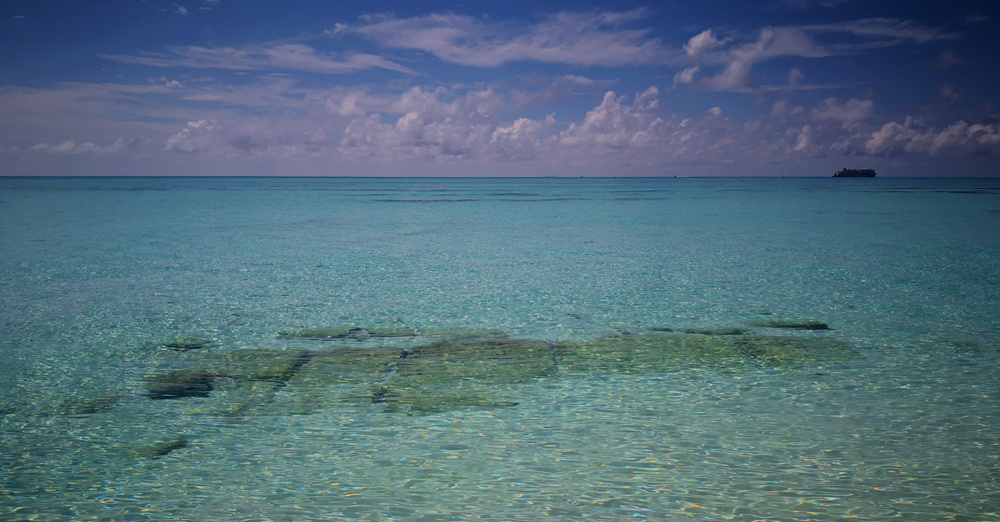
72,147
293,57
596,38
880,32
727,63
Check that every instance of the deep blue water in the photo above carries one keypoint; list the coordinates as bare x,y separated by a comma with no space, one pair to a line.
895,417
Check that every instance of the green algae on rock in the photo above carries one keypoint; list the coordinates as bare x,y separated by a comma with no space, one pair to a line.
647,353
484,360
339,379
391,331
462,369
652,353
257,364
460,374
782,352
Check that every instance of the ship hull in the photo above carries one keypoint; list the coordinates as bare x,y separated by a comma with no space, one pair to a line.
855,173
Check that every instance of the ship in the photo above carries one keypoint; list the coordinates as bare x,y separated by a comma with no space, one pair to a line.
854,173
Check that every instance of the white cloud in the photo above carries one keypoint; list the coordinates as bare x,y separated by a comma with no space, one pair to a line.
195,137
912,137
444,125
803,138
771,43
573,38
461,126
296,57
849,111
880,32
71,147
520,140
579,80
701,43
734,60
795,77
347,105
951,94
686,76
785,109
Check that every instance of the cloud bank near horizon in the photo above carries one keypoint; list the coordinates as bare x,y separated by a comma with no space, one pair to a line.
596,90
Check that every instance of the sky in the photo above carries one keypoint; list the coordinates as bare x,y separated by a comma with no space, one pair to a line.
512,88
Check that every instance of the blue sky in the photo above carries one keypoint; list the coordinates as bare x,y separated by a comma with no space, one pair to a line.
583,88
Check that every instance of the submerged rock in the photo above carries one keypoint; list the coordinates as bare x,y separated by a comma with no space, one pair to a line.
179,384
87,405
348,333
162,448
457,369
235,381
401,331
778,352
257,364
717,331
653,353
427,404
461,374
339,379
796,325
457,333
184,344
319,334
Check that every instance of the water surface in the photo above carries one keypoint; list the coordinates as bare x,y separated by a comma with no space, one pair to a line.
104,280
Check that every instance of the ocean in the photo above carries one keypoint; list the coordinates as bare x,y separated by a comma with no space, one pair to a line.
499,349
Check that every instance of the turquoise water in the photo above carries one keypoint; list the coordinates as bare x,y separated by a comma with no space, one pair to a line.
107,283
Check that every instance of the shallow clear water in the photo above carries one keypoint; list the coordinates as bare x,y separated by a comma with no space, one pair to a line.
99,276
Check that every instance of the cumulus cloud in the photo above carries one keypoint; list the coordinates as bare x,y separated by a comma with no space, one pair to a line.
912,137
427,128
641,134
195,137
701,43
431,126
596,38
521,140
475,125
295,57
686,76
